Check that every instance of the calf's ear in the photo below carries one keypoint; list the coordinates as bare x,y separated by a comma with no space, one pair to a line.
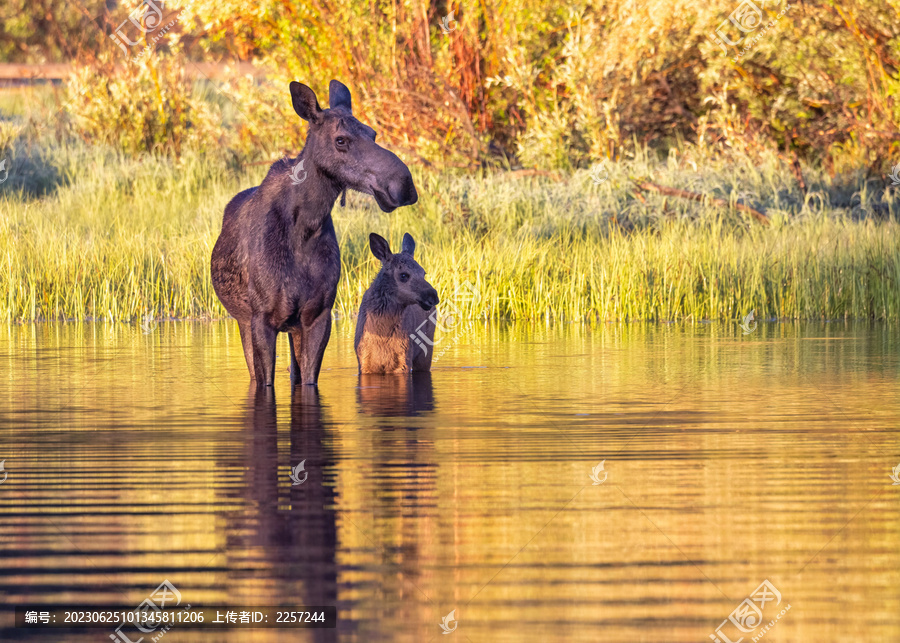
380,247
409,244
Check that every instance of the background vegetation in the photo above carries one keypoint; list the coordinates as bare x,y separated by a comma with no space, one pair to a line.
121,237
119,175
533,82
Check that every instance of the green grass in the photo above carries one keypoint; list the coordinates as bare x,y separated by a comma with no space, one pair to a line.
114,237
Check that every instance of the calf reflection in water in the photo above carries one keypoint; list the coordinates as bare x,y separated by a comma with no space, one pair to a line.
395,394
403,481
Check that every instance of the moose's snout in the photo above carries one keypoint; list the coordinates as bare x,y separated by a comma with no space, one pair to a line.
429,300
404,190
397,189
397,193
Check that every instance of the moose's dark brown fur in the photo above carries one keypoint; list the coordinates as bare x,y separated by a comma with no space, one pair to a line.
276,264
395,312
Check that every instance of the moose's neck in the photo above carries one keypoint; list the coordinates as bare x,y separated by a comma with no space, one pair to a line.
383,299
312,200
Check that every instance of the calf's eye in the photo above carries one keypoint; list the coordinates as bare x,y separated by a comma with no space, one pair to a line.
404,277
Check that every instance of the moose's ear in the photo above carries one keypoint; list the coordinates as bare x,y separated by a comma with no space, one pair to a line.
305,103
339,95
409,244
380,247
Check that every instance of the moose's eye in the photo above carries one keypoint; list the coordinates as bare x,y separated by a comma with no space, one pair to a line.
404,277
340,141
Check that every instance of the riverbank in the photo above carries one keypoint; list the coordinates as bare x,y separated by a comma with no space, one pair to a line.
88,233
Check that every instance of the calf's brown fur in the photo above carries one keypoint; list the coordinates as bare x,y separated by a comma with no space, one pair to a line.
394,331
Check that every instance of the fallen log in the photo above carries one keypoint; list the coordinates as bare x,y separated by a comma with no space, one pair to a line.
702,198
533,172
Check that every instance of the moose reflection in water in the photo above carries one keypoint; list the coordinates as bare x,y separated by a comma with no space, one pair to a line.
281,547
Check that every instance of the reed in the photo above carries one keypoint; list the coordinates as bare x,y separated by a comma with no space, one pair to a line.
118,237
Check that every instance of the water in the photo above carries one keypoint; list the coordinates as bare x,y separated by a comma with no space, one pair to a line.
728,460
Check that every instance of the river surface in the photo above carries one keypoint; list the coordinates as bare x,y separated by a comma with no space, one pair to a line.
743,476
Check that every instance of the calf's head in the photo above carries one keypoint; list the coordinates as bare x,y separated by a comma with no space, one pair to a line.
344,150
403,279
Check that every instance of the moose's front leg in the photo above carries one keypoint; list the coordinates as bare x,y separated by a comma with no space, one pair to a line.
263,337
311,348
295,345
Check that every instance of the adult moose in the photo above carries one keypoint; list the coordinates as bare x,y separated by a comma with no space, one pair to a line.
276,264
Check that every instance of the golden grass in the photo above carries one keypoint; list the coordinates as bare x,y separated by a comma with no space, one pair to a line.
120,238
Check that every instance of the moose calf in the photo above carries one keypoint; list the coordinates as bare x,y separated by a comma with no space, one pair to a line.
393,315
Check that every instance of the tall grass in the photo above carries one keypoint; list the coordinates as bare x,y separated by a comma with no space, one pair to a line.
119,237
